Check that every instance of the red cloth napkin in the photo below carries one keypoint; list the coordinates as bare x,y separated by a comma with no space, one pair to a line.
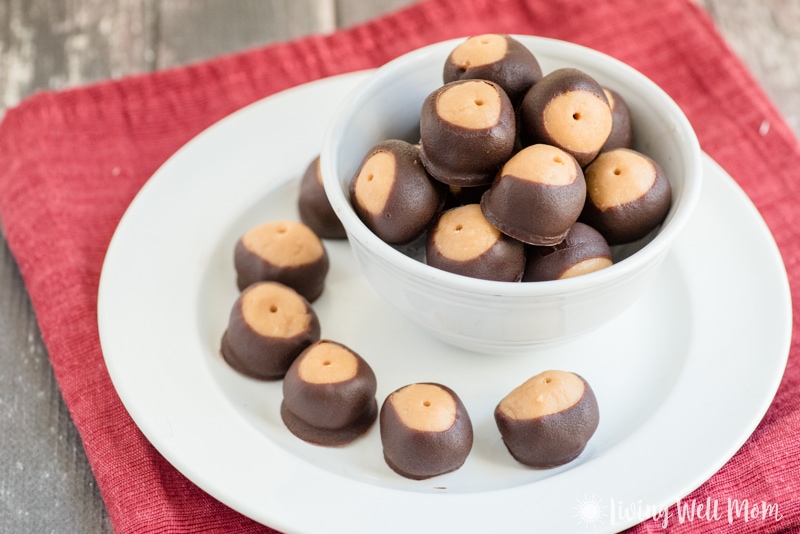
73,160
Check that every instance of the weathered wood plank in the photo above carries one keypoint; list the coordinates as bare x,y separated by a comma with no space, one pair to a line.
52,44
190,30
766,36
350,12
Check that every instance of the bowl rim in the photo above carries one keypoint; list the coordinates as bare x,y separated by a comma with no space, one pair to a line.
680,212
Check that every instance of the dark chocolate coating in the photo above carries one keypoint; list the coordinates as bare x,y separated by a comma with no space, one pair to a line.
336,437
531,110
414,201
420,455
504,261
532,212
315,208
515,73
460,196
548,263
329,406
630,222
264,357
460,156
621,125
551,440
307,279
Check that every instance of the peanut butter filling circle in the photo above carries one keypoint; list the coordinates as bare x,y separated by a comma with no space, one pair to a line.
463,233
586,266
547,393
474,105
543,164
274,310
580,121
425,407
375,181
284,243
327,363
480,50
619,177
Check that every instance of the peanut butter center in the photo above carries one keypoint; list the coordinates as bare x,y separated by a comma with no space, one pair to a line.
375,181
327,363
585,267
463,233
284,243
425,407
544,164
580,121
619,177
274,310
480,50
544,394
474,104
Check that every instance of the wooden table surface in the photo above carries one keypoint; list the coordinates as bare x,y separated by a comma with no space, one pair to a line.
46,484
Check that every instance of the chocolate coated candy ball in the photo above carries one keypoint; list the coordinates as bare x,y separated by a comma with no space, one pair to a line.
329,395
269,326
621,124
583,251
425,431
495,57
537,195
567,108
548,420
393,194
628,195
462,241
283,251
467,131
315,208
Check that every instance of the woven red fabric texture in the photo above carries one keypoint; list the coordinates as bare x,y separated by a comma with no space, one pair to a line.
73,161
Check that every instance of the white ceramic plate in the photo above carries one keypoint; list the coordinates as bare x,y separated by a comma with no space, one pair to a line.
682,378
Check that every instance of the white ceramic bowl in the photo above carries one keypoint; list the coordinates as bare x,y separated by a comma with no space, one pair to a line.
489,316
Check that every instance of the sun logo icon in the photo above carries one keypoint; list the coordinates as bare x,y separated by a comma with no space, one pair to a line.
590,511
